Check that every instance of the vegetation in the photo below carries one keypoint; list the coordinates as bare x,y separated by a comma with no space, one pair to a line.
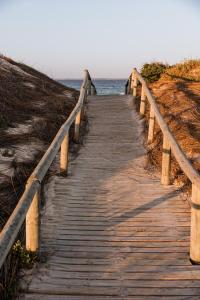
3,122
33,107
178,97
21,258
187,70
153,71
25,258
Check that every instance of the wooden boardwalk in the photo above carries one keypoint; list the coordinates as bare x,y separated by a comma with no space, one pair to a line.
110,229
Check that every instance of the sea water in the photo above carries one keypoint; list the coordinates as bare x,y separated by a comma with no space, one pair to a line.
103,86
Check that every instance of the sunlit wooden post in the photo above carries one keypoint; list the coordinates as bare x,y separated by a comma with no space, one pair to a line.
131,84
151,125
195,225
134,84
64,153
77,127
143,101
84,109
32,224
166,162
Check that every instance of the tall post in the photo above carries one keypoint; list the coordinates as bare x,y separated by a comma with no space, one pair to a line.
135,82
89,89
151,125
195,225
129,86
142,102
126,88
77,127
32,224
93,90
64,153
166,162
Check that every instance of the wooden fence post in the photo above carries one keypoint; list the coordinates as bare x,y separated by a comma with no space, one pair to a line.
129,86
64,152
131,83
77,127
142,102
93,90
195,225
32,224
151,125
89,89
166,162
135,82
126,88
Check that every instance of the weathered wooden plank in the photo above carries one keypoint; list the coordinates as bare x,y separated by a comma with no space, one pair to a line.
61,270
131,260
116,239
138,283
94,244
112,291
133,255
95,297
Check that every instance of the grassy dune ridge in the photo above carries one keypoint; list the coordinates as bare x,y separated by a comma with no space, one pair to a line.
33,107
178,96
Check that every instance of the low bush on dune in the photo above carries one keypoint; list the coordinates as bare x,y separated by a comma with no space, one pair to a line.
186,70
153,71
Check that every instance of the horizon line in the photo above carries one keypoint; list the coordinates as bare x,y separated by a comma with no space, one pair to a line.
93,78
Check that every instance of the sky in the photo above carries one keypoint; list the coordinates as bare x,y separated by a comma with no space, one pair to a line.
108,37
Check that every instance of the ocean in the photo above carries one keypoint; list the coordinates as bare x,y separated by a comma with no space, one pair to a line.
103,86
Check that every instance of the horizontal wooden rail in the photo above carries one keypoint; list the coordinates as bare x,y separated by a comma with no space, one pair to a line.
28,205
170,145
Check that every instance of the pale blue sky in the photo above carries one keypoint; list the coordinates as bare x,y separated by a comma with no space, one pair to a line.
109,37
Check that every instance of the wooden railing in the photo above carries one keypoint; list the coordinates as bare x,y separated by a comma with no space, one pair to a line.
170,145
28,205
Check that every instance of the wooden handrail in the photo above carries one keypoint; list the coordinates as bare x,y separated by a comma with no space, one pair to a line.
170,145
27,207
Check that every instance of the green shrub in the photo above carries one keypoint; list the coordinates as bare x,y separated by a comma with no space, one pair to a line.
3,122
153,71
25,258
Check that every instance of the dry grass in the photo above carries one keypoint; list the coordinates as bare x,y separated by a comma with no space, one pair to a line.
33,107
179,102
187,70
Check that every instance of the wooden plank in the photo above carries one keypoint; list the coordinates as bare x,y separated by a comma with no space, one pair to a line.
95,297
117,239
112,291
107,283
154,261
61,270
122,256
